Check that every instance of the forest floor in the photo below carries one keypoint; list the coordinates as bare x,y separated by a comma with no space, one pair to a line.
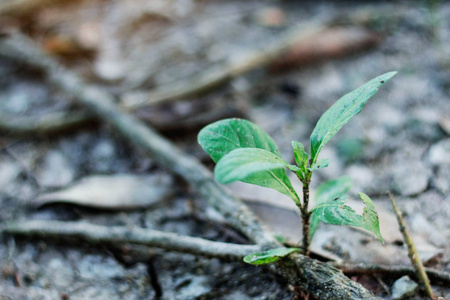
400,142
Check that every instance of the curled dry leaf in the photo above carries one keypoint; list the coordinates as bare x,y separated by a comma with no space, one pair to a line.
330,43
116,192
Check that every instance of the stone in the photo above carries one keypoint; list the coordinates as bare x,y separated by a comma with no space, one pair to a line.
102,155
22,97
362,176
55,170
350,149
440,153
410,177
441,179
444,122
403,288
237,295
9,172
96,267
391,117
12,292
59,272
422,124
192,287
109,66
420,225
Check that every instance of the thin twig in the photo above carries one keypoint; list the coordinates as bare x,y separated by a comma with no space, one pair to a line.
412,252
320,279
435,275
49,124
119,235
61,122
383,285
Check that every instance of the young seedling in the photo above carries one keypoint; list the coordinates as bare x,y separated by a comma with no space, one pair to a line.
244,152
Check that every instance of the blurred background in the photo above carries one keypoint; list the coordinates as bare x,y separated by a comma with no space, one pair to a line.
179,65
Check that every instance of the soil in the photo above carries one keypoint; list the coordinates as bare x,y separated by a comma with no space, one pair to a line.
399,142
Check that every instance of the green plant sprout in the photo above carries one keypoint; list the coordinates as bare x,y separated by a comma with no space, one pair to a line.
244,152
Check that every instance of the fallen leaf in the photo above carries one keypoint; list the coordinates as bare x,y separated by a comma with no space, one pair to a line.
331,43
116,192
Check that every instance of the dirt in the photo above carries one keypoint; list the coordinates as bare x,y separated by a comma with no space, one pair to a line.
399,142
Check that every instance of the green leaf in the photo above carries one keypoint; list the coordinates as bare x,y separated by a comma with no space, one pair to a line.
301,157
332,189
293,168
269,256
370,216
337,213
342,111
323,163
220,138
241,163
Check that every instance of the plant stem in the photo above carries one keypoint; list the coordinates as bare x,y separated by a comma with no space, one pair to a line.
306,215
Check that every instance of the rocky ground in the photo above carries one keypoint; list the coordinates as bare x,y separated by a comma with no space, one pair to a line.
400,142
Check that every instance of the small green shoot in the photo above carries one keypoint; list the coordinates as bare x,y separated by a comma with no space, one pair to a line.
244,152
269,256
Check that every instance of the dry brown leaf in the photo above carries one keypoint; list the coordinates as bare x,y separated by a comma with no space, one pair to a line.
330,43
117,192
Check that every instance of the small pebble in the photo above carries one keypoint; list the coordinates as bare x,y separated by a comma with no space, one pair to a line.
403,288
55,170
410,178
440,153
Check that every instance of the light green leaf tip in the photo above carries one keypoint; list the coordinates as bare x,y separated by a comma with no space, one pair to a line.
370,216
301,157
330,208
342,111
269,256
